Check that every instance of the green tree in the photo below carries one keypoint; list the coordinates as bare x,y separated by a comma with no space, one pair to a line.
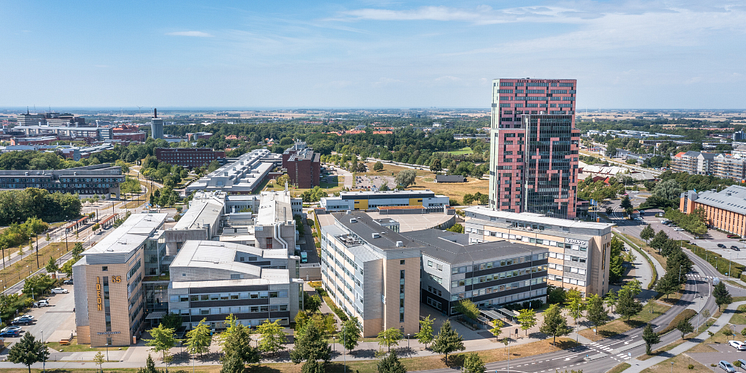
722,295
312,303
576,308
555,323
627,305
389,337
28,351
667,189
425,335
172,320
311,345
627,205
198,339
684,326
232,364
378,166
77,250
236,342
406,178
99,360
527,318
659,240
650,337
473,364
350,334
616,264
313,366
497,328
468,309
647,233
596,313
391,364
272,336
447,340
435,165
668,284
163,340
52,266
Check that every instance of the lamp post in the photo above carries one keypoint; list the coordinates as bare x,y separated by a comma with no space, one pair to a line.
107,351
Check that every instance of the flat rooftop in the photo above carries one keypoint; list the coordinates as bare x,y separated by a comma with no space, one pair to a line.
274,207
223,256
454,247
130,235
205,208
362,225
536,218
414,222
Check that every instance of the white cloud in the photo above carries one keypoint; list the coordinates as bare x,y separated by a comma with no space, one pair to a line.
194,34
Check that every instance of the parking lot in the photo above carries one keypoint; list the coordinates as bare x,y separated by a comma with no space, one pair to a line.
50,322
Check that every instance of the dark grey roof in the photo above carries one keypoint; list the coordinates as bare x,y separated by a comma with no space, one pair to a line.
364,227
732,198
454,247
709,156
692,153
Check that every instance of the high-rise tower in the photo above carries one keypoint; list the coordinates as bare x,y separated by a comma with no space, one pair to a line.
156,125
534,146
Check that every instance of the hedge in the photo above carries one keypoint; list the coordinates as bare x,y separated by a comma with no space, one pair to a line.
684,315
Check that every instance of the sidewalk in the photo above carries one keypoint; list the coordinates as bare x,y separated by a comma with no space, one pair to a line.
639,366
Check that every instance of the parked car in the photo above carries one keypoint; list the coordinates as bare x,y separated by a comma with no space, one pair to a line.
304,257
743,363
5,329
68,282
738,345
42,303
726,366
733,236
59,291
735,248
721,246
678,229
22,321
10,333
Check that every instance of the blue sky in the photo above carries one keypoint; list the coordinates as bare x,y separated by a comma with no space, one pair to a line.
369,54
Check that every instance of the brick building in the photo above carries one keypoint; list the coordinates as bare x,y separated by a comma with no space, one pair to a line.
724,210
302,165
188,157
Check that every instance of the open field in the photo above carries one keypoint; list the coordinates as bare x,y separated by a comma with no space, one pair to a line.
19,270
680,364
462,151
426,180
650,311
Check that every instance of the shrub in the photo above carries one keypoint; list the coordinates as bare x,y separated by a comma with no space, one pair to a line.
685,315
690,366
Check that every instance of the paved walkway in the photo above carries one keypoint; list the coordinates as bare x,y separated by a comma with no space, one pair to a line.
639,366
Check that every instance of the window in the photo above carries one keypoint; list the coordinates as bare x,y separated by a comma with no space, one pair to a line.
429,263
401,262
105,269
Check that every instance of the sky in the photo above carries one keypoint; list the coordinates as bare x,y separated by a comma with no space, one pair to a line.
672,54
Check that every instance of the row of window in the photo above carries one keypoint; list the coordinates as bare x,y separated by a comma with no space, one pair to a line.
497,276
497,288
229,310
560,267
229,296
566,280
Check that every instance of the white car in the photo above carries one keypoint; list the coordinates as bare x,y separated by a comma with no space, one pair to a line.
738,345
59,291
678,229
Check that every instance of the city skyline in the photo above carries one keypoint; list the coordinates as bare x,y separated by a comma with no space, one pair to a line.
657,55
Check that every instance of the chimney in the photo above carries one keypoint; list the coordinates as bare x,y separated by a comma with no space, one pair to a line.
155,113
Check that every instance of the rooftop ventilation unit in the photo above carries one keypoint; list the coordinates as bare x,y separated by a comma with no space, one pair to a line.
353,220
399,243
376,235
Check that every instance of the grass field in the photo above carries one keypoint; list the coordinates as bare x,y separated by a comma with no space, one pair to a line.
426,180
462,151
330,187
680,364
649,312
19,270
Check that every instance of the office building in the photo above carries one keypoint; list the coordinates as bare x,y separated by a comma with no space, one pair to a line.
579,252
243,176
724,210
212,280
726,166
534,147
491,274
302,165
126,133
189,157
156,126
109,300
100,179
29,119
739,135
695,163
371,272
364,200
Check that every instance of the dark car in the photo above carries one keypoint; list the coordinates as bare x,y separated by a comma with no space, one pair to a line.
735,248
67,282
722,246
10,333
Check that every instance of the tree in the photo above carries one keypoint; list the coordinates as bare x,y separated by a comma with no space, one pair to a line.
425,335
163,339
389,337
556,295
406,178
272,336
596,313
77,250
497,328
616,264
667,189
312,366
647,233
684,326
627,305
554,323
722,295
312,303
473,364
448,340
576,308
149,366
99,359
232,364
391,364
199,338
350,334
172,320
236,340
52,266
627,205
659,240
668,284
650,337
527,318
311,345
378,166
435,165
468,309
634,286
28,351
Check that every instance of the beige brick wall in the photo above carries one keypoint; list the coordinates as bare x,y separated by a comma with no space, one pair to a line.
391,269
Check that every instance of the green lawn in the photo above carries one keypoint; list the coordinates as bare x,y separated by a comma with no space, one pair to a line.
462,151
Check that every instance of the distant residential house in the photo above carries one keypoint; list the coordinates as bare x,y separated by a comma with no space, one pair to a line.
450,179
